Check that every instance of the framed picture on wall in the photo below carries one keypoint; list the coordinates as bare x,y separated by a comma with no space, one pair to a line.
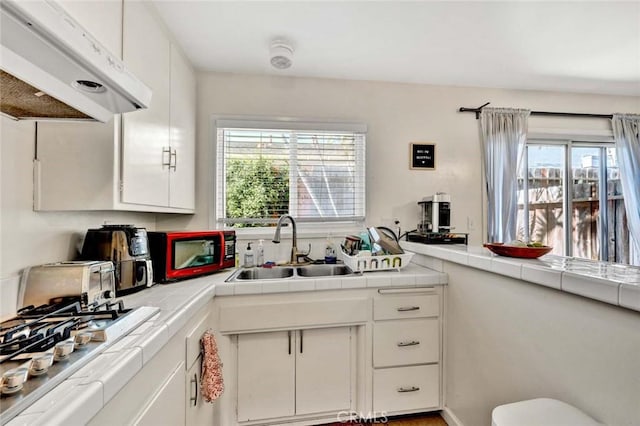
422,156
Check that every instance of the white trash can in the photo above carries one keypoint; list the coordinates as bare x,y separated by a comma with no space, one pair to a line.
540,412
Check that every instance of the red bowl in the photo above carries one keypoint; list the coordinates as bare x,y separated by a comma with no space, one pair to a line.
521,252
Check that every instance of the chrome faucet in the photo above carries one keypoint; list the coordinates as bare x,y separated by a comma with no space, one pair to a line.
295,255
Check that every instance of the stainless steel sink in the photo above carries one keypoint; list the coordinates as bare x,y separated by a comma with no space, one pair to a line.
262,273
286,272
323,270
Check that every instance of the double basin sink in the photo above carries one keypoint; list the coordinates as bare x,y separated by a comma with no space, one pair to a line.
284,272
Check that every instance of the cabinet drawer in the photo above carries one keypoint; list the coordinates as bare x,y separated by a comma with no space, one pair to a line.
405,342
406,388
406,306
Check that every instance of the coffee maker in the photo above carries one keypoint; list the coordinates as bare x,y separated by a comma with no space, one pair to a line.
436,213
435,222
128,248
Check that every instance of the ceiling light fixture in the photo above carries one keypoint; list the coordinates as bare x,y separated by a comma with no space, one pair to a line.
281,54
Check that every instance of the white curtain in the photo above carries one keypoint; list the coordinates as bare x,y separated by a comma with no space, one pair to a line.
625,131
503,137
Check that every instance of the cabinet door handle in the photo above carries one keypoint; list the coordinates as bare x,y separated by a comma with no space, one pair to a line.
301,340
410,343
408,308
194,399
289,335
411,389
173,155
166,150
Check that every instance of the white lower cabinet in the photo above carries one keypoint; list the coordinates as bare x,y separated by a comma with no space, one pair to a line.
167,404
291,373
163,391
323,370
406,388
327,356
406,342
198,412
406,351
266,376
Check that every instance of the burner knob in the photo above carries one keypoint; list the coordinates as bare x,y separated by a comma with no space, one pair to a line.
83,338
108,294
40,364
13,380
62,350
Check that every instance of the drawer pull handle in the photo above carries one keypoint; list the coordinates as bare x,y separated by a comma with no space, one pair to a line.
411,343
411,389
408,308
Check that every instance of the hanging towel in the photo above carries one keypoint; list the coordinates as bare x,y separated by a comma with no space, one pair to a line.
211,381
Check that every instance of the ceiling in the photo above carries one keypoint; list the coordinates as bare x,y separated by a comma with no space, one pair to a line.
577,46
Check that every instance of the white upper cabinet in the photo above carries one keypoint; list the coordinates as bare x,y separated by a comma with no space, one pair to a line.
182,131
146,151
139,161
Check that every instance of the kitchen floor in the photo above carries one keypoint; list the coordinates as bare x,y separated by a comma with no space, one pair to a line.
428,419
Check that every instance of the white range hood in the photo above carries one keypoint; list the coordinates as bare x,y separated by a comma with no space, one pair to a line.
52,68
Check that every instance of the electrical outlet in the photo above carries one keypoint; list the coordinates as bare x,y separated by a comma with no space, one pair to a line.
470,224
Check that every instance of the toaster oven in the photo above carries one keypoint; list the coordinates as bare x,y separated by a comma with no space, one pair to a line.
85,281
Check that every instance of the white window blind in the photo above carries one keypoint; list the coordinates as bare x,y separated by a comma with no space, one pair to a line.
314,172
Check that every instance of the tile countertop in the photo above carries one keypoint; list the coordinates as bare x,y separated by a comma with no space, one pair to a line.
81,396
612,283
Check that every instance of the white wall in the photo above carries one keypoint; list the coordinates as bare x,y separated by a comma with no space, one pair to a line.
507,340
396,115
32,238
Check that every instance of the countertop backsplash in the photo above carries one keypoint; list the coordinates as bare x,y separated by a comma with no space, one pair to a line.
9,296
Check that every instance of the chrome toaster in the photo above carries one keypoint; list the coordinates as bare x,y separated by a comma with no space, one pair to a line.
87,281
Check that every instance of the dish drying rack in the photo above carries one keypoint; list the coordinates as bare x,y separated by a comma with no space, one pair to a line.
376,263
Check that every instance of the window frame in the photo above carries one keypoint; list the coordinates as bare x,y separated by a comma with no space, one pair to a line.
569,140
280,123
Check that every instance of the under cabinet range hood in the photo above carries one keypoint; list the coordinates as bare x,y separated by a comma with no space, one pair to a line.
52,68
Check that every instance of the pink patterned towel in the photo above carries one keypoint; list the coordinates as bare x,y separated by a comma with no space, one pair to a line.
212,384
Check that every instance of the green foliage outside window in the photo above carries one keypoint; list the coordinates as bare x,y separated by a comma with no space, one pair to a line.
256,188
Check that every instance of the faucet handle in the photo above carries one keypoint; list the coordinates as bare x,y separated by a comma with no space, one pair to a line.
304,256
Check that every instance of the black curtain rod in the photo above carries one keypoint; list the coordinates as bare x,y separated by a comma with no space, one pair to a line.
478,110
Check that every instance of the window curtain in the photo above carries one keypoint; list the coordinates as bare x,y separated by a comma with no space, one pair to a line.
503,137
625,131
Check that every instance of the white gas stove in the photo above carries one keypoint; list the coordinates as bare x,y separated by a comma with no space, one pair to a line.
41,346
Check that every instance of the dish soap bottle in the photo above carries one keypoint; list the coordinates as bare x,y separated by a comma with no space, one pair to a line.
260,253
330,251
248,256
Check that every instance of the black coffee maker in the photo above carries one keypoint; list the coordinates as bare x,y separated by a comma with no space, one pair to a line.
435,222
128,248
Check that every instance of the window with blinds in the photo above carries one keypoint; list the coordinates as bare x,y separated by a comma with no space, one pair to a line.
314,172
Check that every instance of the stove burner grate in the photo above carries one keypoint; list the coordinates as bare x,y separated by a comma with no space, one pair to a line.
37,329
